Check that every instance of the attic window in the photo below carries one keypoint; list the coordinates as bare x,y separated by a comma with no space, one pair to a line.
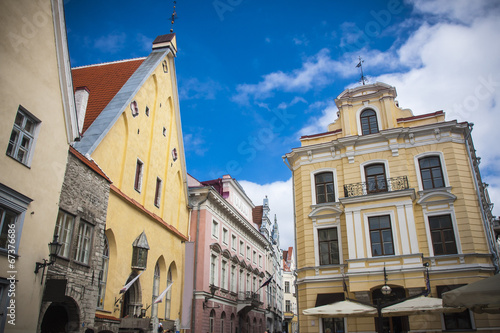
165,66
134,108
147,111
174,154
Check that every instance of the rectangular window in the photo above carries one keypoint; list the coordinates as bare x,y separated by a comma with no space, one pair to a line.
223,272
241,285
328,246
84,242
233,242
431,172
7,217
213,269
254,257
324,187
242,248
260,260
443,237
225,234
215,229
64,231
455,320
381,235
138,176
287,287
22,136
248,252
333,325
158,192
288,306
233,278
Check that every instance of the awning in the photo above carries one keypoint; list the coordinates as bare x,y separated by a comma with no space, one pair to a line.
345,308
417,305
480,296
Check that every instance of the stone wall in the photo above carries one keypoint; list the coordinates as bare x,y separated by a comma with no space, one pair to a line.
84,195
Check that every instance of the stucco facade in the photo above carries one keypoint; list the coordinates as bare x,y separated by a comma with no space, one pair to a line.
137,141
387,191
38,123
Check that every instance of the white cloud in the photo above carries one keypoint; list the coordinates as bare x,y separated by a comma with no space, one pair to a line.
315,71
319,124
195,143
193,88
111,43
280,202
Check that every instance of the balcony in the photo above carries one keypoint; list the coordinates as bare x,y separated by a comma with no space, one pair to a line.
248,300
376,186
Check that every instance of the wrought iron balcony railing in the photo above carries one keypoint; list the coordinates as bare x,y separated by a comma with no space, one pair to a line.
248,296
376,186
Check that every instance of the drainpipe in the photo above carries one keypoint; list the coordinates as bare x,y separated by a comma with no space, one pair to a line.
487,228
289,166
196,259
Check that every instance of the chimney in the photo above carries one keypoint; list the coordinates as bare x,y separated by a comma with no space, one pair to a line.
168,41
81,100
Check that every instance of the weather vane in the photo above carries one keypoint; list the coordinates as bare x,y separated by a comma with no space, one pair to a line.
360,65
174,17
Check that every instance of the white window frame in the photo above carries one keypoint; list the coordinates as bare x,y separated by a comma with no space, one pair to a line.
242,248
225,234
215,229
260,260
249,252
233,242
335,184
450,212
358,118
363,165
32,136
395,239
443,169
214,269
326,224
234,274
83,250
224,273
254,257
17,203
65,250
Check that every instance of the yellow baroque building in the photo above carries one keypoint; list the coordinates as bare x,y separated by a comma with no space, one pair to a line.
129,113
388,198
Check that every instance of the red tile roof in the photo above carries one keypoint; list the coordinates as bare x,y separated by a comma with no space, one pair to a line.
90,163
103,82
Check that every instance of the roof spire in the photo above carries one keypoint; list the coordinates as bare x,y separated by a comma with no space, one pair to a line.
174,17
360,65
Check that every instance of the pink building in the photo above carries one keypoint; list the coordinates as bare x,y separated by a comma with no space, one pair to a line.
231,258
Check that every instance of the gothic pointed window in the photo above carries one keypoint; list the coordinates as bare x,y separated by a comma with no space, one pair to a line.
103,275
369,123
140,252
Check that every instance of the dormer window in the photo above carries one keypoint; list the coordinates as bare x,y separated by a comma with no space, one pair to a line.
369,124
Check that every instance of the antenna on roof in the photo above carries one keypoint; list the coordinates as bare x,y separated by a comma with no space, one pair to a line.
174,17
360,65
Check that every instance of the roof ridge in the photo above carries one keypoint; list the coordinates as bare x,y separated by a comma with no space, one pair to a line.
110,62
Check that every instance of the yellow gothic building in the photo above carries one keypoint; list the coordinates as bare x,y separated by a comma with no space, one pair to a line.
129,113
387,198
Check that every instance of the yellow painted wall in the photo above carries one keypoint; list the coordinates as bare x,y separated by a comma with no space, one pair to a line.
30,77
142,137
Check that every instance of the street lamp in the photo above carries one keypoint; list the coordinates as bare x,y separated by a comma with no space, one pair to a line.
54,248
386,291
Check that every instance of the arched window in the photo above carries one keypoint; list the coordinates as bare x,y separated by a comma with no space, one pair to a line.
324,187
168,296
212,321
375,178
222,319
369,124
156,289
103,275
431,172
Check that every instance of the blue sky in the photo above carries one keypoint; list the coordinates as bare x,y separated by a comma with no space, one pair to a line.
255,75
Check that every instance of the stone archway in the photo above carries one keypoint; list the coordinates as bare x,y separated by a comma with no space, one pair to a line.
132,299
61,317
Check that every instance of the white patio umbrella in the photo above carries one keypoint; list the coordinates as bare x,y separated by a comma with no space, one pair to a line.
345,308
418,305
480,296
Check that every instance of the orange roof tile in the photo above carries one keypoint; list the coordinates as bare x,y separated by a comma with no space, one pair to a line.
90,163
103,81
